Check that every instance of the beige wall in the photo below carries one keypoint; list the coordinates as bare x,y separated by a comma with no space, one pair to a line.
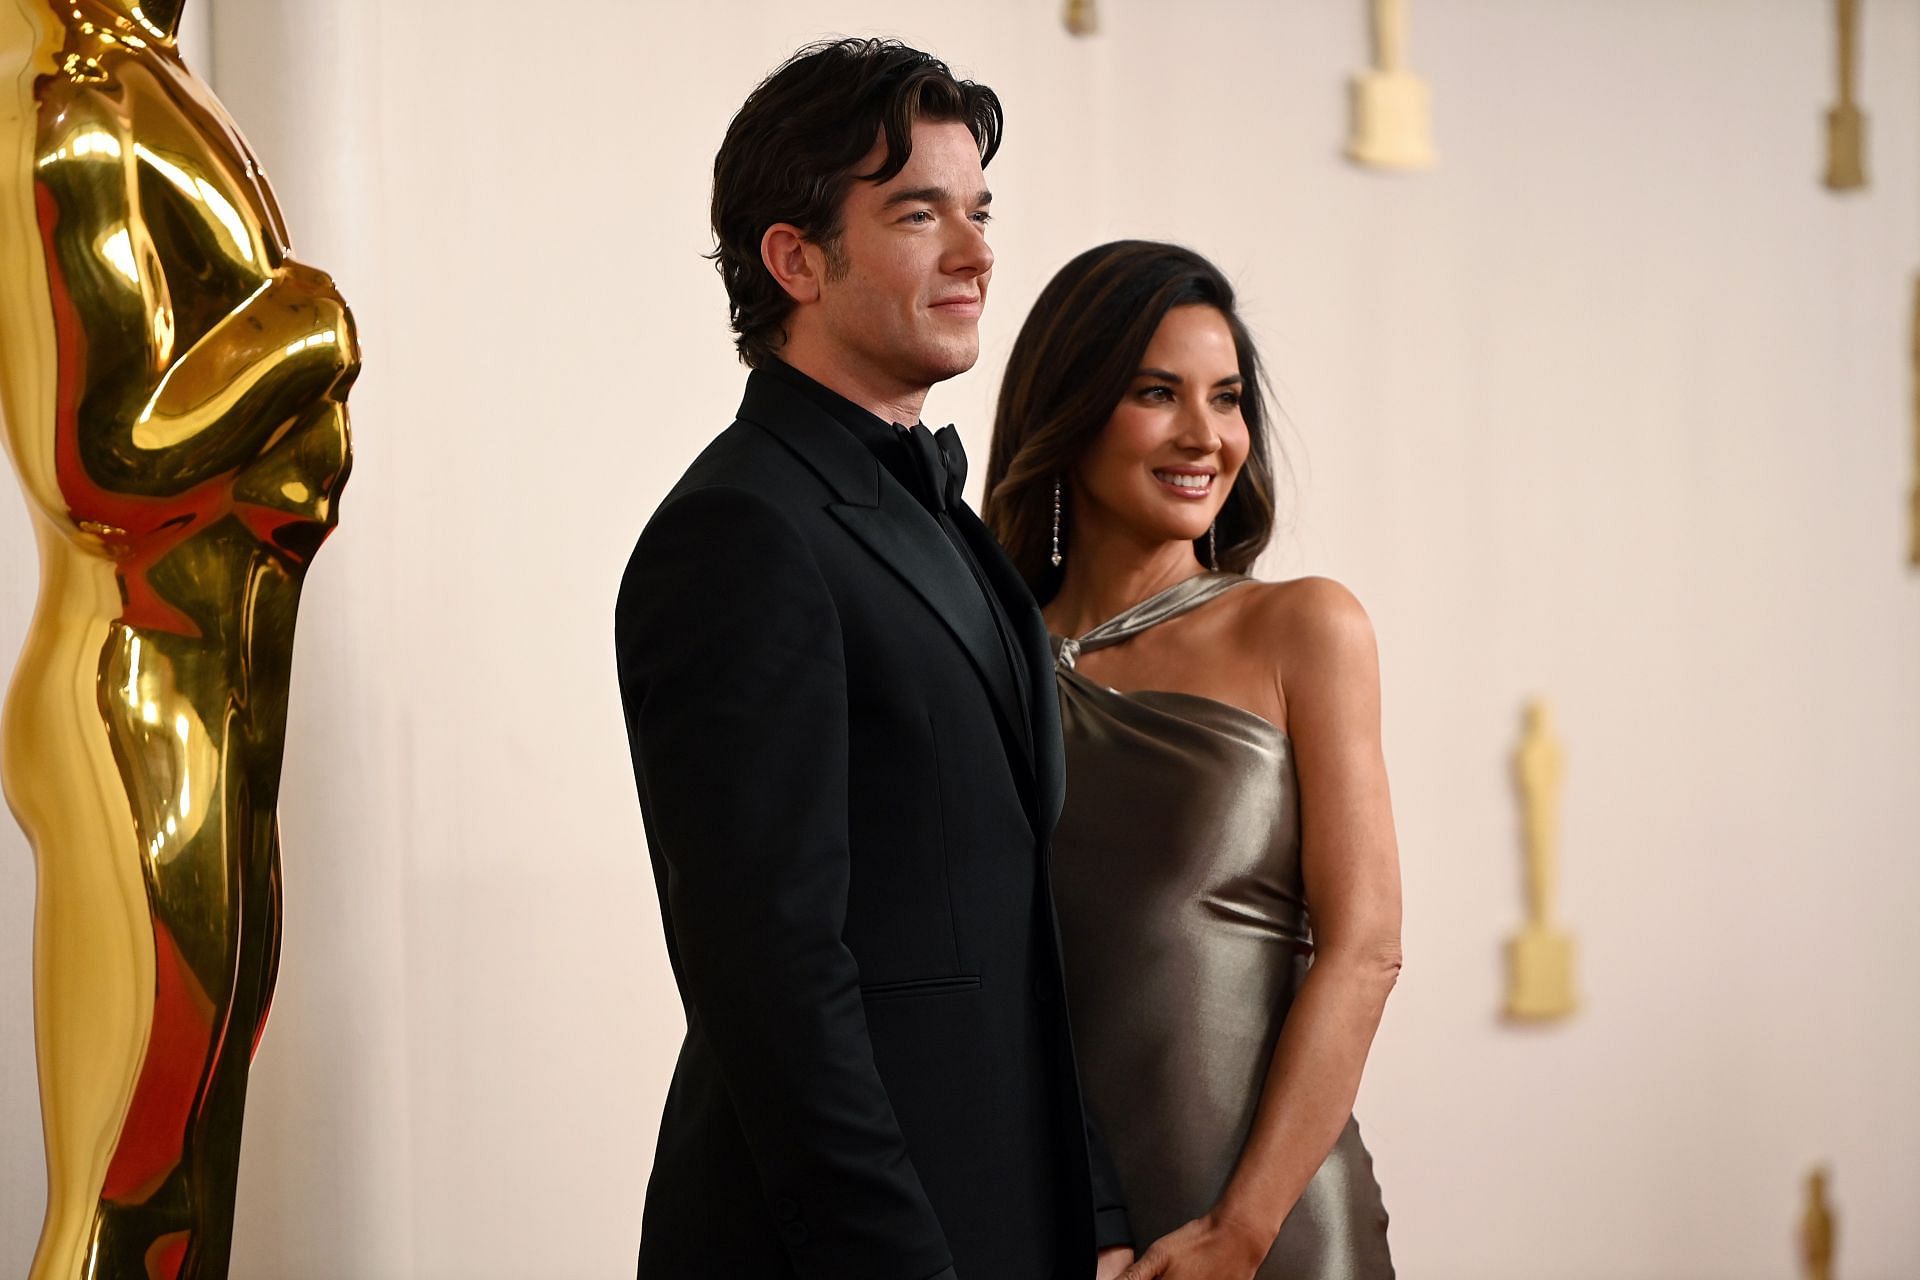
1612,406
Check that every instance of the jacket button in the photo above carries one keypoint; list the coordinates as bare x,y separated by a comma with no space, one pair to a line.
786,1210
795,1232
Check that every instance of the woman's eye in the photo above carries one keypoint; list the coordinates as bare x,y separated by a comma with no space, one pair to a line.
1229,399
1159,395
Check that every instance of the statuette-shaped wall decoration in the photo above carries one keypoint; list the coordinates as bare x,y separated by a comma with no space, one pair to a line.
173,391
1817,1229
1913,515
1846,125
1392,115
1540,958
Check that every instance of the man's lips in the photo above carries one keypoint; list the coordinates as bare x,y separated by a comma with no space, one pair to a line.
967,306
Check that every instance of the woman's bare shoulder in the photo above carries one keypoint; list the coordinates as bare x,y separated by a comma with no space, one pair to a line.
1312,613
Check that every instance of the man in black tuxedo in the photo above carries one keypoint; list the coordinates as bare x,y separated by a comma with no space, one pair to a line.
841,708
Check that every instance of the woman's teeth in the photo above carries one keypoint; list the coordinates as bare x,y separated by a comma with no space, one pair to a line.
1193,484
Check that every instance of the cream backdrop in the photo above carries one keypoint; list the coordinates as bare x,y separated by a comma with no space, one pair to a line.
1612,406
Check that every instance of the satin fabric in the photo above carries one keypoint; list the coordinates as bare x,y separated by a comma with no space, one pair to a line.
1186,934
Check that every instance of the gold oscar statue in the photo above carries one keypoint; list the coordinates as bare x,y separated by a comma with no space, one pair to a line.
1817,1229
1846,125
172,386
1392,117
1080,18
1540,959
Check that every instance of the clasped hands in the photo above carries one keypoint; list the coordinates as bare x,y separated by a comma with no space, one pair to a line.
1208,1248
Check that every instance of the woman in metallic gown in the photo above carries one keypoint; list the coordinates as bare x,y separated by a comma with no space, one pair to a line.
1225,870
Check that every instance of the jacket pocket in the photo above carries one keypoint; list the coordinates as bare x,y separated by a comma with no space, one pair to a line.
921,987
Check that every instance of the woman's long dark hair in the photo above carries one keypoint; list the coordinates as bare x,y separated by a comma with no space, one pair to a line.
1075,358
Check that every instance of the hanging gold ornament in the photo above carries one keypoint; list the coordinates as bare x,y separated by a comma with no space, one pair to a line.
1846,125
1540,957
1392,115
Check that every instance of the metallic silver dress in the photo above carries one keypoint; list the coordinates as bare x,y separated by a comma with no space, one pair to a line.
1176,874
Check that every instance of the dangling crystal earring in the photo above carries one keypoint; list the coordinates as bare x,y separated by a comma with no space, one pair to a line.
1056,522
1213,546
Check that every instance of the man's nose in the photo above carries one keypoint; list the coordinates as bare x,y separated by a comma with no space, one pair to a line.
971,256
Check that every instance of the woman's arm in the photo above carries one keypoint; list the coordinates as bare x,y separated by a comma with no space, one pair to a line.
1330,678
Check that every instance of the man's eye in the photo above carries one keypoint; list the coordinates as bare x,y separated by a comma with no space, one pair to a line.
920,215
983,217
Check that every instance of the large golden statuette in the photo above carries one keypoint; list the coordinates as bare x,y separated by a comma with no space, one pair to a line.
173,388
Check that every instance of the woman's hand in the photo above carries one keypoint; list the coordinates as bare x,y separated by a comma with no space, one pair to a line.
1209,1248
1112,1263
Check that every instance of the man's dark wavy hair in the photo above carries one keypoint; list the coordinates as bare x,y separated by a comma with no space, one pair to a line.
790,155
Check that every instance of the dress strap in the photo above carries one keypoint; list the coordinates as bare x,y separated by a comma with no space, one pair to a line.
1182,596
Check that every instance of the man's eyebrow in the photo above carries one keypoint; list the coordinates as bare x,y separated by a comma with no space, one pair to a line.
930,195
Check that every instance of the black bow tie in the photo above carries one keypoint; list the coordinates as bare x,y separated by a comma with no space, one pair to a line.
941,464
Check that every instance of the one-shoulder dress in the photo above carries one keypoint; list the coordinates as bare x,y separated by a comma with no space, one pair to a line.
1184,922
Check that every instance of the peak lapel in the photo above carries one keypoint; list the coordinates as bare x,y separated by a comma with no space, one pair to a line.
891,523
899,531
1030,631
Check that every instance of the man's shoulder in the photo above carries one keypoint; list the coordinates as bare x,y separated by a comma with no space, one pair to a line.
745,490
750,458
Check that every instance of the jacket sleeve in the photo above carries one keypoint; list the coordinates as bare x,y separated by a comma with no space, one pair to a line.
733,682
1111,1227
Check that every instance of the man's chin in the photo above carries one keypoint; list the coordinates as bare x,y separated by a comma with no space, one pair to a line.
951,362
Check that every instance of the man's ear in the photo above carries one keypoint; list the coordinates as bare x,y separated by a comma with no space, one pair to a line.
794,262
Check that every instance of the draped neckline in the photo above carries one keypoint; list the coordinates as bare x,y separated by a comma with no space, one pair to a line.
1170,602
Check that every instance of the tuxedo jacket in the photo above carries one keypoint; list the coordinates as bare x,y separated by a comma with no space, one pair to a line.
848,802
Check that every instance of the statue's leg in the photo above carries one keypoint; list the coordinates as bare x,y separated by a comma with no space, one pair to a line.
93,935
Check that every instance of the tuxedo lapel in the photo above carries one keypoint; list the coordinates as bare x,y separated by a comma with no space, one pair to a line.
897,530
1036,652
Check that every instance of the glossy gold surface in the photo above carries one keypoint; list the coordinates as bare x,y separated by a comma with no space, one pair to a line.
172,385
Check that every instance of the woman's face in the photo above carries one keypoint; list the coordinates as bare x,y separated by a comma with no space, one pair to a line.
1162,467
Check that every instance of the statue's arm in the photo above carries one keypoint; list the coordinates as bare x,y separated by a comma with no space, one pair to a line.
197,339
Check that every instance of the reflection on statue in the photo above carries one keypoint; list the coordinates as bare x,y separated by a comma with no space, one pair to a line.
1392,125
1816,1229
1846,125
1541,957
173,390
